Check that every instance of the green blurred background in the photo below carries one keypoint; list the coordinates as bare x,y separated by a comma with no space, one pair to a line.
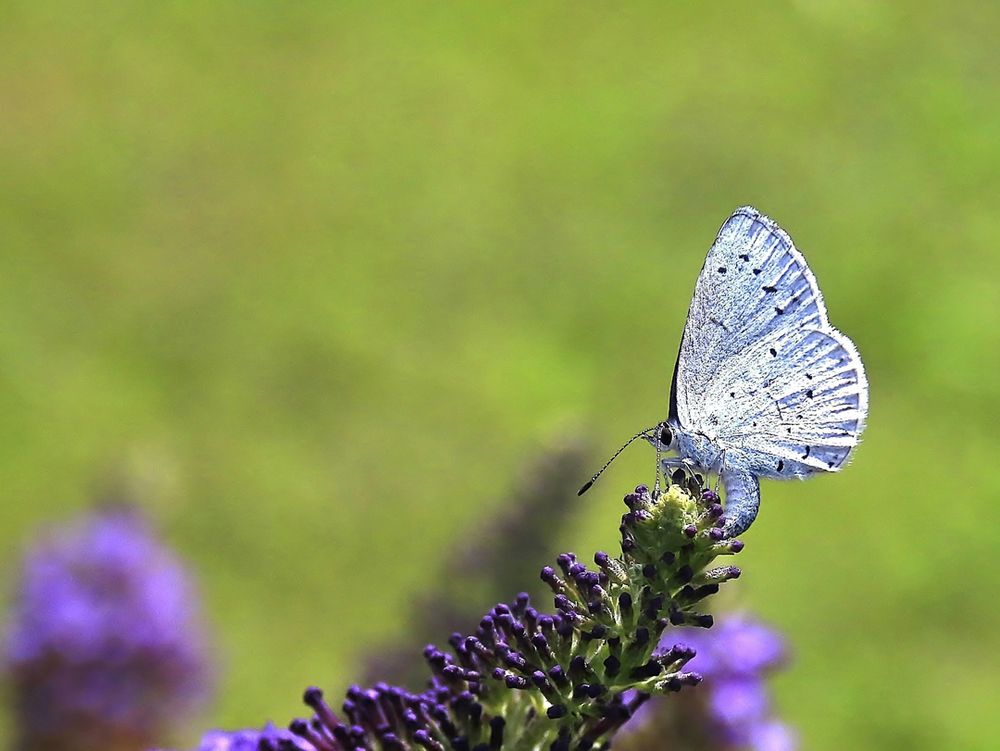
318,278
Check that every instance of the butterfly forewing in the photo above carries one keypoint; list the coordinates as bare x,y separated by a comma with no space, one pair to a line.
759,365
753,284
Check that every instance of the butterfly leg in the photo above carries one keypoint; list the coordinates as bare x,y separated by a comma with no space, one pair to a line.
722,468
742,501
669,463
656,484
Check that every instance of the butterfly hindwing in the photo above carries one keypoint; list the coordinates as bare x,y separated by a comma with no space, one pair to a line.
800,415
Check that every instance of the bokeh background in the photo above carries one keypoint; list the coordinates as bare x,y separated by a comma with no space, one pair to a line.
314,280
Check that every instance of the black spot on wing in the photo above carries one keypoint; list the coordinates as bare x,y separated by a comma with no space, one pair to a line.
722,269
781,464
769,289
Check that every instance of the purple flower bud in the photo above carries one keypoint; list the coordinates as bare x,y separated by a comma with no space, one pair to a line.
515,660
516,681
563,603
556,711
612,666
496,732
596,690
474,645
424,739
648,670
641,636
625,603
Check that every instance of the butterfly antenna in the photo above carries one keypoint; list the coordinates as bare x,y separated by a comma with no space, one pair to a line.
656,482
587,485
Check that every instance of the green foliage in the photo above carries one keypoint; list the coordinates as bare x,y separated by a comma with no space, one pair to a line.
313,276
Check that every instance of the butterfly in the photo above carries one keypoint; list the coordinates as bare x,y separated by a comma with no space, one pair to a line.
764,386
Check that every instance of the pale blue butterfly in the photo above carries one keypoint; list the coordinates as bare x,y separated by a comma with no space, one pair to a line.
763,386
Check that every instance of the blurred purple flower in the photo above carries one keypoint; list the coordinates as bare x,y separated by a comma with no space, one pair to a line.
772,736
104,648
252,740
732,705
736,646
738,702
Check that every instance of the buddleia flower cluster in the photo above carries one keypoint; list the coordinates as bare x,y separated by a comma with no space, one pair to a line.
562,680
105,648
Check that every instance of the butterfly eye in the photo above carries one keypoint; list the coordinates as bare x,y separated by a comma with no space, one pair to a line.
665,435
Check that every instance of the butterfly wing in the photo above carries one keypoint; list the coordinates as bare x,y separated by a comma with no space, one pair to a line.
760,368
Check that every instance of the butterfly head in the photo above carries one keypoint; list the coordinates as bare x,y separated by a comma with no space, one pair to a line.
662,437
